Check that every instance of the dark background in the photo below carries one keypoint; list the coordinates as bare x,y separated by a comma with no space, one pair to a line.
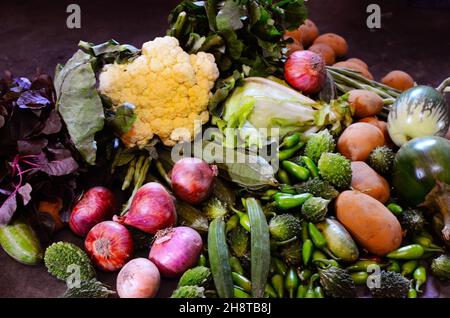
414,37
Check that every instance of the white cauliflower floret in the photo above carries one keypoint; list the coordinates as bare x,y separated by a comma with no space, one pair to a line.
169,88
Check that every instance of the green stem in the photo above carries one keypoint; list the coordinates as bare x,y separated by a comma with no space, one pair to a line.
163,173
140,181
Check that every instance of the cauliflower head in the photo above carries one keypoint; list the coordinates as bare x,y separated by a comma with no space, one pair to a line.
169,88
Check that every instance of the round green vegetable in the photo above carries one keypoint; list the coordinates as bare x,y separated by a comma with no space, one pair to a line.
440,267
337,282
418,112
381,159
412,220
60,257
336,169
390,285
292,253
318,144
284,227
198,276
315,209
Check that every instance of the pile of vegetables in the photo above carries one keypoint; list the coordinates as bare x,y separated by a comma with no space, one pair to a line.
359,180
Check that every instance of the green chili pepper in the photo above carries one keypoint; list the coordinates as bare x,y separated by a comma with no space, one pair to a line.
412,293
424,240
326,263
305,274
202,261
286,201
269,193
301,291
290,152
395,209
242,282
278,284
280,266
409,252
270,292
360,278
290,141
283,177
420,276
318,255
291,282
311,166
361,265
305,235
298,172
318,292
394,266
239,293
243,219
310,292
285,188
236,265
409,267
319,240
307,251
232,223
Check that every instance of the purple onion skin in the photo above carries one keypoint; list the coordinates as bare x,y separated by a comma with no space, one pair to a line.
193,180
176,250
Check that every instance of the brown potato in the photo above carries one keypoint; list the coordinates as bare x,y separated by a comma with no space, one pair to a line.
381,125
359,140
366,180
325,51
309,32
355,67
365,103
399,80
360,62
336,42
296,44
369,222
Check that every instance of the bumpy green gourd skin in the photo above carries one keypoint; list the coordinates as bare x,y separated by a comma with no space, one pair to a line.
337,282
21,243
382,159
392,285
336,169
189,292
197,276
412,220
292,253
315,209
318,144
284,227
59,256
318,188
89,289
440,267
214,208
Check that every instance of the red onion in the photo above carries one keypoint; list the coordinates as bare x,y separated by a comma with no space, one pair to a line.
152,209
176,250
139,278
193,180
96,205
110,245
305,71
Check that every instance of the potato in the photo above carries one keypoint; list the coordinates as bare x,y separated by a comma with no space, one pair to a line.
359,62
355,67
381,125
366,180
365,103
369,222
336,42
309,32
325,51
296,37
399,80
359,140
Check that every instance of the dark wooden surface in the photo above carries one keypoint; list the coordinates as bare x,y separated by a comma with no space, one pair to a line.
33,34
